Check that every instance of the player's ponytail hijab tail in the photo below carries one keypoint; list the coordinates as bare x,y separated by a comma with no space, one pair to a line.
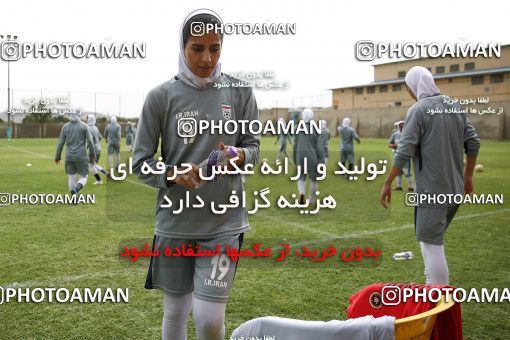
185,73
421,82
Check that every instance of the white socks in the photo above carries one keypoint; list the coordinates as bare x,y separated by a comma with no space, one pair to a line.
436,268
209,318
71,181
175,316
82,181
314,186
301,186
399,181
110,160
92,167
410,181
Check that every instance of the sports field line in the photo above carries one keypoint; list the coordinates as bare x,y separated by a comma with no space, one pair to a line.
72,278
114,273
49,157
376,231
302,226
411,225
30,152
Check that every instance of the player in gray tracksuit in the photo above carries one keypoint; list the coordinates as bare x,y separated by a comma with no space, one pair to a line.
347,135
129,136
282,141
392,144
96,139
77,139
311,147
169,120
112,134
325,136
436,138
135,130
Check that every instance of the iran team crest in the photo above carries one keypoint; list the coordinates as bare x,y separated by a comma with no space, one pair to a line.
226,110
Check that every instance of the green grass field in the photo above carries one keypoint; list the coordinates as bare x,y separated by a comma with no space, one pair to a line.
78,246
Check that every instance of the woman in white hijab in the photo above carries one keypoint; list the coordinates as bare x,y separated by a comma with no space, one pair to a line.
191,70
421,83
437,143
347,135
76,136
309,147
326,136
281,140
168,122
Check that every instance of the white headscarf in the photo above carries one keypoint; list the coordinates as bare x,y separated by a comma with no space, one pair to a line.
421,82
185,74
346,122
324,124
113,119
91,120
307,115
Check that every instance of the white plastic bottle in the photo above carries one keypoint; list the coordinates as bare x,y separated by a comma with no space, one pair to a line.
217,158
405,255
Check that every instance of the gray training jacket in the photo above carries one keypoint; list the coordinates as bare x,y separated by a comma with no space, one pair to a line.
437,142
77,138
347,135
310,146
96,138
171,109
112,133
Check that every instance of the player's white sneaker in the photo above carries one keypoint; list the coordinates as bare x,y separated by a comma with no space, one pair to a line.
97,182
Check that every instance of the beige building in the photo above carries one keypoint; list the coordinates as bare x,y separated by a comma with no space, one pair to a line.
455,77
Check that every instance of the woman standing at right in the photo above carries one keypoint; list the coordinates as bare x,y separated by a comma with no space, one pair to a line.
437,143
